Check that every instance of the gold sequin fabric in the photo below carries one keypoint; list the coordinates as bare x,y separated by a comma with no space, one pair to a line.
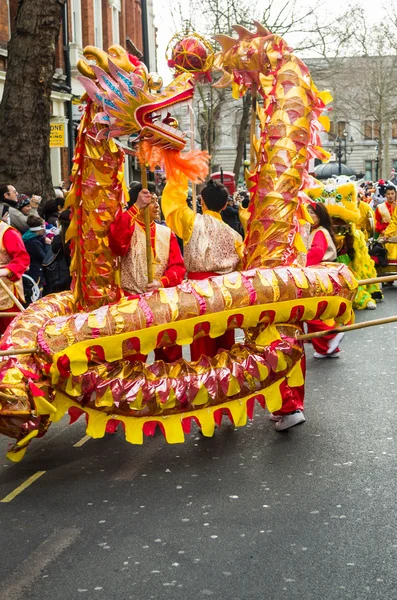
212,246
134,275
290,121
196,298
137,389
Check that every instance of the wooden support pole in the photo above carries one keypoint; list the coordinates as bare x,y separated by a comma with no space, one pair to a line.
194,190
149,261
11,295
317,334
253,127
377,279
9,314
11,352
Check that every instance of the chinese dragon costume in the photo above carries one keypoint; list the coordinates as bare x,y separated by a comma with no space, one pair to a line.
84,341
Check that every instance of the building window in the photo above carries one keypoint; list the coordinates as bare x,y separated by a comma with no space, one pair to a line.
369,170
336,130
77,35
340,128
371,130
116,10
98,23
394,130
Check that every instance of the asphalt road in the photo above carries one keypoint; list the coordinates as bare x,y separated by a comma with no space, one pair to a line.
250,514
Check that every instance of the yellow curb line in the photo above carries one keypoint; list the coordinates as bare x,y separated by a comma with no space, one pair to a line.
82,441
23,486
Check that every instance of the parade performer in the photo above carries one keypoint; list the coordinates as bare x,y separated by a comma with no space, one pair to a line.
378,193
81,345
211,247
322,243
385,210
14,261
341,204
127,240
389,237
366,222
322,248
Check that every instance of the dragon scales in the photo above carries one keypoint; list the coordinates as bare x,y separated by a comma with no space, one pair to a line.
86,343
289,118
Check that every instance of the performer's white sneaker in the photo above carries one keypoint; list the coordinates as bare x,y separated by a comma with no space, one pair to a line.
274,418
288,421
335,354
334,343
371,305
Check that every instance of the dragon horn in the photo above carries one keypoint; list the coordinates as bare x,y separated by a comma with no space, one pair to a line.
260,29
243,33
85,69
120,58
99,56
225,41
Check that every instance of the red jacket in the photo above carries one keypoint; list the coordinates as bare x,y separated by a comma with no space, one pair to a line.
120,234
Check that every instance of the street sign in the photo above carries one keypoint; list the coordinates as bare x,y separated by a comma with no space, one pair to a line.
57,135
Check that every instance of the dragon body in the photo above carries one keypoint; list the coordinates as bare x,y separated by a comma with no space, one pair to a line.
89,342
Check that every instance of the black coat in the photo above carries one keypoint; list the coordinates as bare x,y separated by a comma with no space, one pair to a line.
36,248
56,270
230,217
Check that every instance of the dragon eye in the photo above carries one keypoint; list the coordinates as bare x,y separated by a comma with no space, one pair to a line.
171,121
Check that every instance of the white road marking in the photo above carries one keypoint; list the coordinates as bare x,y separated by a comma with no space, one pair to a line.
133,466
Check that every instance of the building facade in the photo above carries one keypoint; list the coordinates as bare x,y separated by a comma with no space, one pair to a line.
100,23
364,112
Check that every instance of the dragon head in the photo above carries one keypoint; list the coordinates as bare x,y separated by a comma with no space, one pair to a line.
123,89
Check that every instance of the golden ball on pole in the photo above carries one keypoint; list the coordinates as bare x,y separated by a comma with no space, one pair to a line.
189,52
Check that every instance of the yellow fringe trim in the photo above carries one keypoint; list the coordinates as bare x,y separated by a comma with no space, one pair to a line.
174,434
172,424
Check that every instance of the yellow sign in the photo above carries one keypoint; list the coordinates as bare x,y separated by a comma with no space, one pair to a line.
57,135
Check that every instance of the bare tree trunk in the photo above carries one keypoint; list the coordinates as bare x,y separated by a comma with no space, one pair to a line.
386,174
25,109
242,135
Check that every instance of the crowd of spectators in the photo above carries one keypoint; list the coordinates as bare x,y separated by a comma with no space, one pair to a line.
42,225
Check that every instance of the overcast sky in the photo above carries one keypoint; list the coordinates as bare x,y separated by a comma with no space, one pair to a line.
330,9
